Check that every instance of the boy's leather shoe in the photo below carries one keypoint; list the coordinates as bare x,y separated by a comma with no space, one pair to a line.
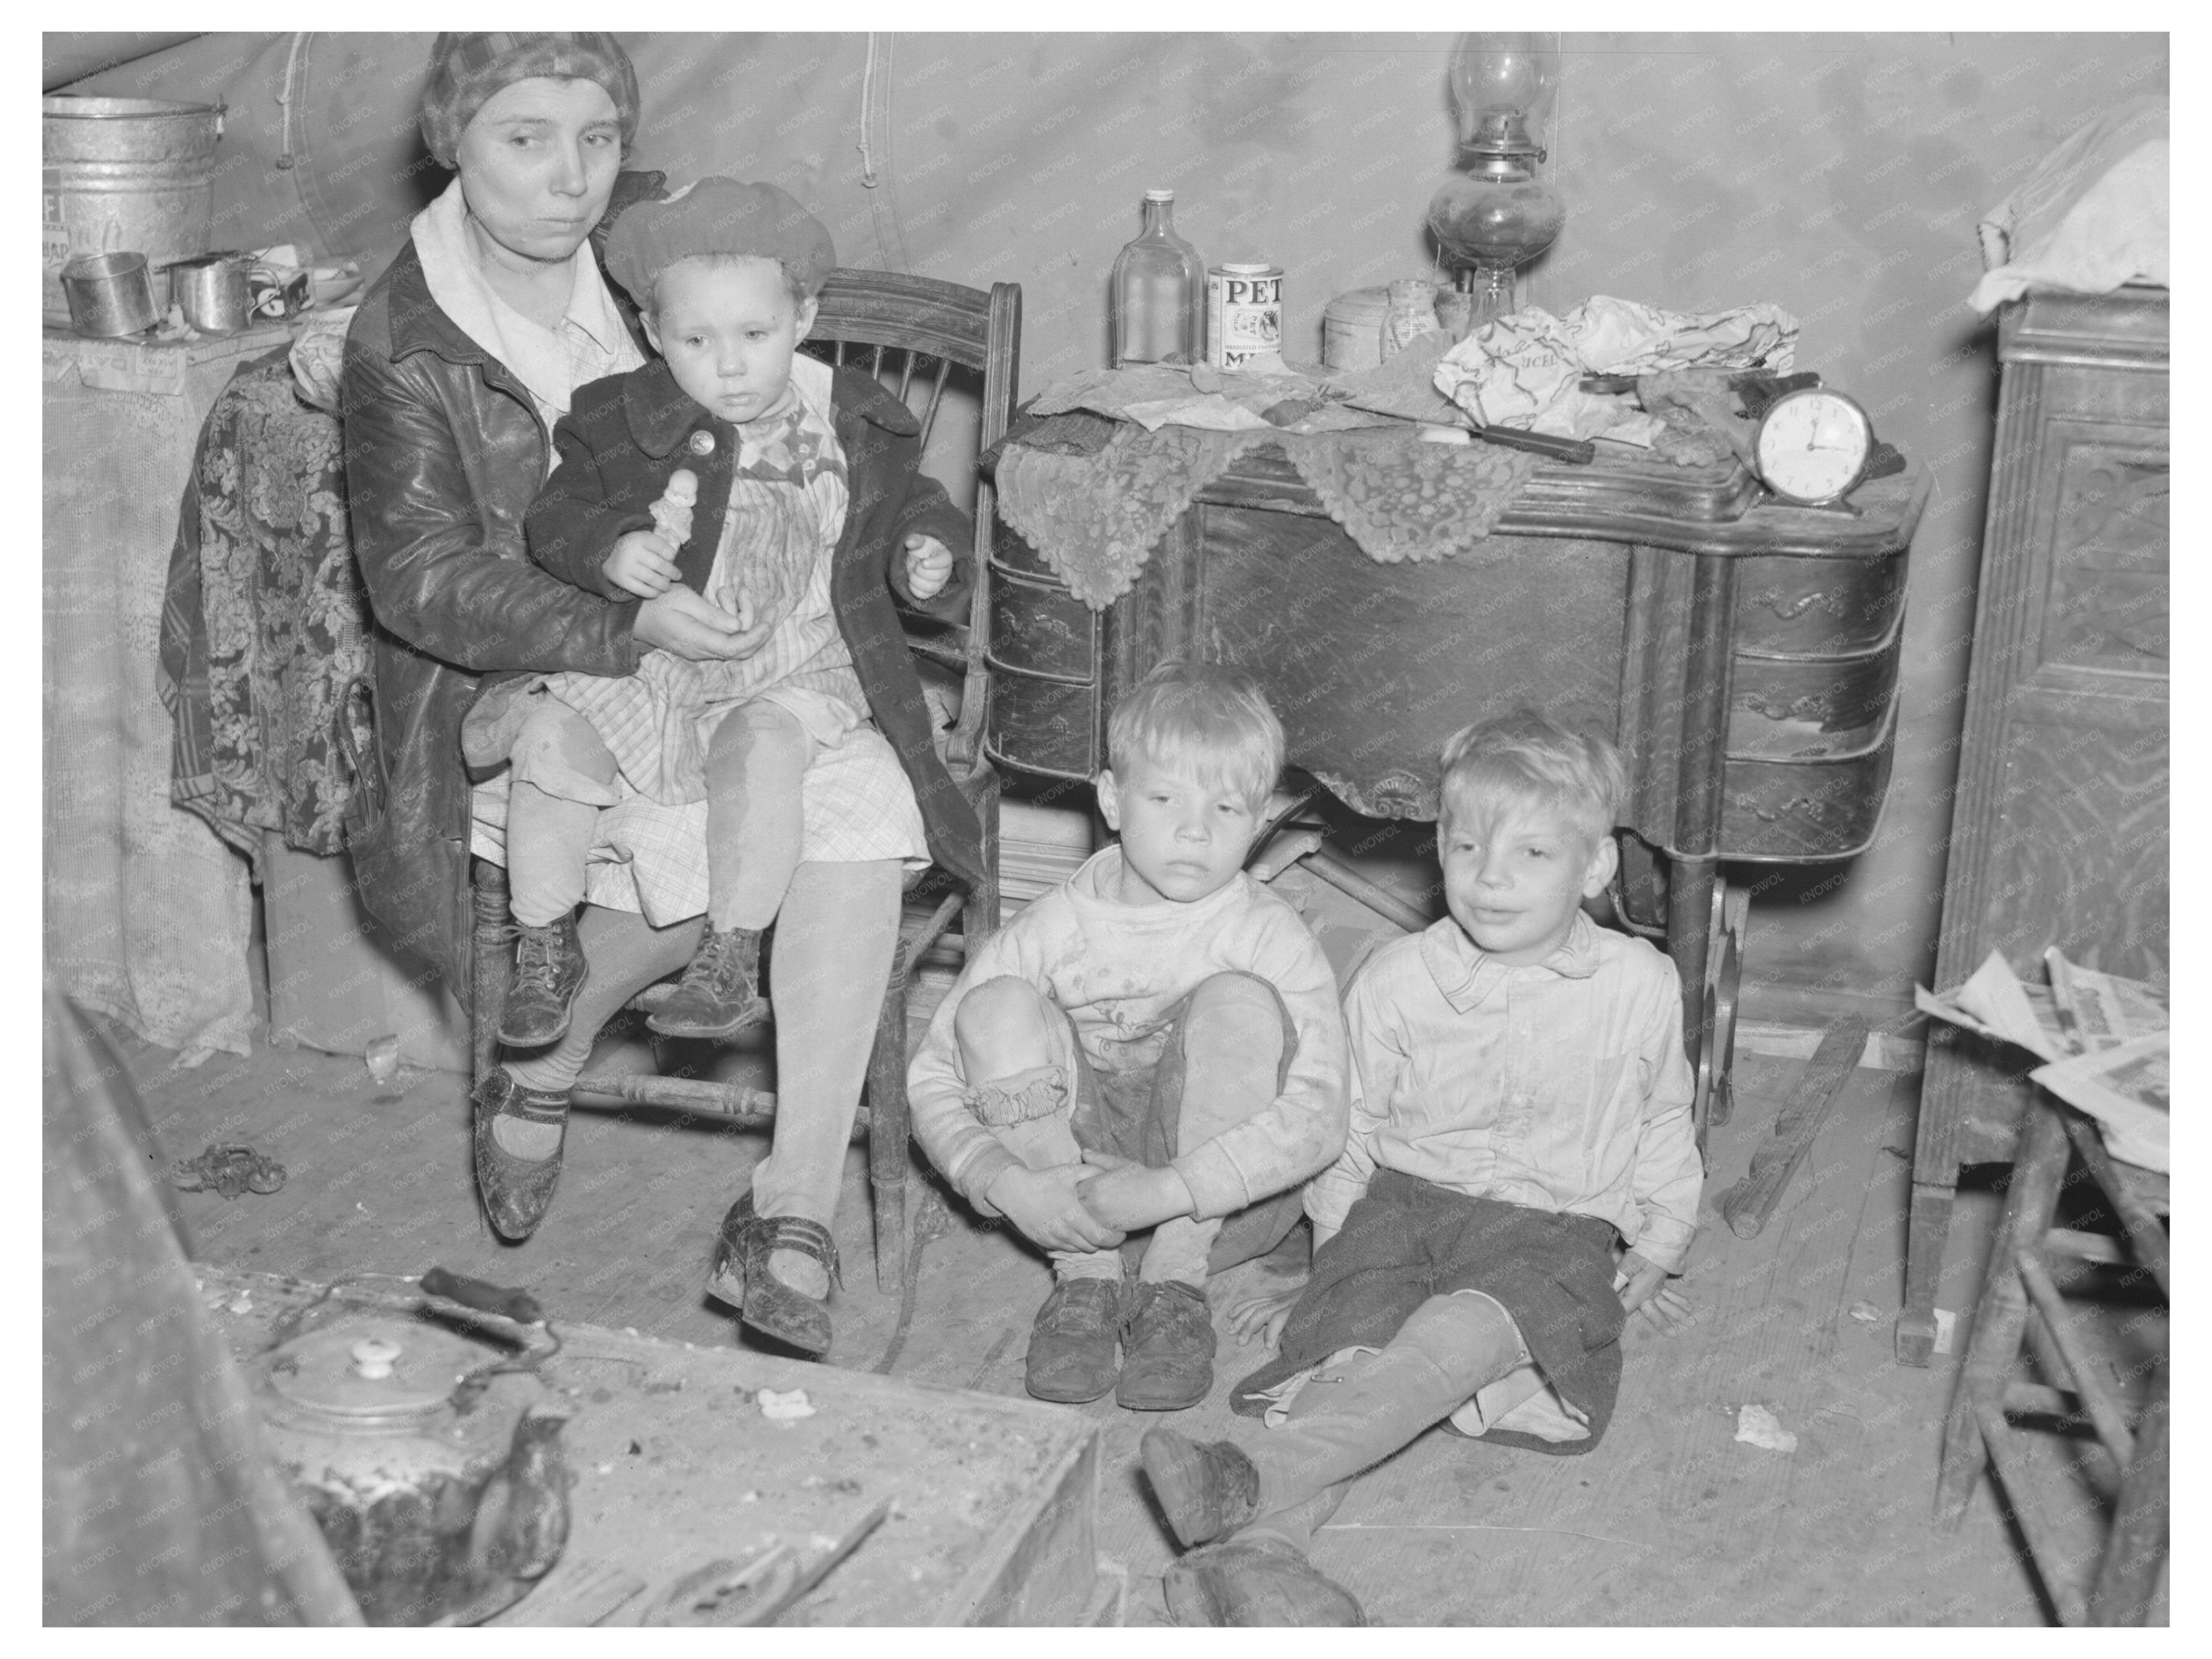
1072,1343
720,993
1167,1348
548,971
1256,1580
517,1191
1206,1487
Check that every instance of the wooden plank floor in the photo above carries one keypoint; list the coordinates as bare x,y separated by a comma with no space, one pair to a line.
1671,1521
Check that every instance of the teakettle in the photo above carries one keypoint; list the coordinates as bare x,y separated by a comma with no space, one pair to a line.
431,1462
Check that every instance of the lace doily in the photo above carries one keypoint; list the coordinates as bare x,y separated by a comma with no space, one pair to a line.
1400,498
1094,518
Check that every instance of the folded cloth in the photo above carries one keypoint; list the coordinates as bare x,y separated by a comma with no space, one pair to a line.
1155,395
2095,215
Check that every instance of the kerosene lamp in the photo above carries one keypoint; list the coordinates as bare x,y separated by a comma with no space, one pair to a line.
1494,214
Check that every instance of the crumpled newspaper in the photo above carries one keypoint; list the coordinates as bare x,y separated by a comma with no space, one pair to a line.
1521,370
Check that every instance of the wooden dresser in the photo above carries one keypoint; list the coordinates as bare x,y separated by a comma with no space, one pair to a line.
2058,830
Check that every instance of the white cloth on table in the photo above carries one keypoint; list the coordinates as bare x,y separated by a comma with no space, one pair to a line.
2095,215
148,912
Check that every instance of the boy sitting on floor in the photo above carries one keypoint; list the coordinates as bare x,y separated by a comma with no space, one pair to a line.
1519,1110
1155,1043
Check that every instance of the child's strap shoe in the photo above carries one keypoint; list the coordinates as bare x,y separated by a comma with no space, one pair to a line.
1206,1487
517,1191
1072,1345
1167,1349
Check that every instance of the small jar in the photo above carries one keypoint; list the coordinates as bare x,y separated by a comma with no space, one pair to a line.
1411,313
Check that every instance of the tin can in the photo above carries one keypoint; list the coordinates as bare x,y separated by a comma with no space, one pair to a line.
1244,313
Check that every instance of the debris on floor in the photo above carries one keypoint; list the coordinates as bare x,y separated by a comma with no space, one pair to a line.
231,1170
785,1405
383,1059
1865,1312
1755,1425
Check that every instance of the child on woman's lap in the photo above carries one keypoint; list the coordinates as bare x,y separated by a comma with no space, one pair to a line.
1519,1110
1160,1017
726,277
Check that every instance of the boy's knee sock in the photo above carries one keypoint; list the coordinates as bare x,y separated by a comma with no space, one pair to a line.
547,840
1353,1416
1179,1252
756,813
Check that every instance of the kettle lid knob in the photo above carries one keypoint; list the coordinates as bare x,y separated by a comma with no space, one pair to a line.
372,1357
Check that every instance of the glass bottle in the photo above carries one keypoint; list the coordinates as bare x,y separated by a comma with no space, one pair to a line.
1159,292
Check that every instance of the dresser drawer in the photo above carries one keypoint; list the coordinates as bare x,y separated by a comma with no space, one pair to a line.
1808,707
1009,551
1796,808
1044,726
1818,607
1039,627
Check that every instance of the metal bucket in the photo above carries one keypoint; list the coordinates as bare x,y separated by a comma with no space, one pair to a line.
133,175
110,295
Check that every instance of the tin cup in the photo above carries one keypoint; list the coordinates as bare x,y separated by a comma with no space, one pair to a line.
111,296
212,292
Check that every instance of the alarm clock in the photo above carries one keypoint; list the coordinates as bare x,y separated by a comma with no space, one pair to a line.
1813,445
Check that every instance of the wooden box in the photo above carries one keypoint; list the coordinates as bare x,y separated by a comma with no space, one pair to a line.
993,1501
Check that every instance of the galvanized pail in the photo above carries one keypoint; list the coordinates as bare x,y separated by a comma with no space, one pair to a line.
133,175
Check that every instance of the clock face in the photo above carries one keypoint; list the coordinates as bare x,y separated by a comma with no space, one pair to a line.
1813,445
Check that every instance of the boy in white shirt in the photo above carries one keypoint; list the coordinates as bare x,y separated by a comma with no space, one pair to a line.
1155,1043
1519,1175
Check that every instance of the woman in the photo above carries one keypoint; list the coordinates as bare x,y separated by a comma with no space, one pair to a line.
463,356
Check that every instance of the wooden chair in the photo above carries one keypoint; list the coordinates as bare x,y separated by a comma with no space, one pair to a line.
915,335
2021,1298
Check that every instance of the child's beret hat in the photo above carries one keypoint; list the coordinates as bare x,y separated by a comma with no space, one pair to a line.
718,215
466,69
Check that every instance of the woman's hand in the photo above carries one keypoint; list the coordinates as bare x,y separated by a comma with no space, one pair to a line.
1265,1314
679,620
1043,1205
643,563
928,566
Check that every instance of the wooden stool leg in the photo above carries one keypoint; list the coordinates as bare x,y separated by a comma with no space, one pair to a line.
2127,1581
490,966
888,1131
1928,1227
2001,1317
